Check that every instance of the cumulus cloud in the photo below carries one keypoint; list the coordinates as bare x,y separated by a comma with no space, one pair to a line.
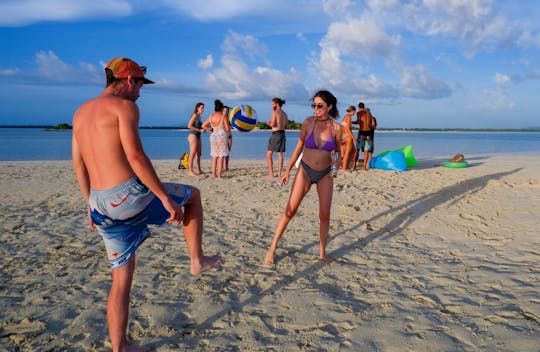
9,72
476,22
50,69
346,47
217,9
495,100
236,80
241,44
501,79
206,63
24,12
336,8
418,83
50,66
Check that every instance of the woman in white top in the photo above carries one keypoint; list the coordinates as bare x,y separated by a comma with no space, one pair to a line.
218,139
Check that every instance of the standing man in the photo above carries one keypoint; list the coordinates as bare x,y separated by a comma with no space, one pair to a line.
373,131
278,121
365,141
122,189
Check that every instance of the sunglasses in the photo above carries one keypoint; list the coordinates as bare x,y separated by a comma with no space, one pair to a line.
317,106
143,69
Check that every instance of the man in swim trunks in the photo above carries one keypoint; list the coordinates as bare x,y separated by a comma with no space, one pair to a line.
278,121
122,189
366,125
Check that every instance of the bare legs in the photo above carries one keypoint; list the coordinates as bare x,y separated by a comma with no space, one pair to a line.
118,305
217,166
300,187
270,164
194,153
348,152
193,226
280,163
122,277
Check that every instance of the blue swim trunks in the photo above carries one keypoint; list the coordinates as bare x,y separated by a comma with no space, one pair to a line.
122,213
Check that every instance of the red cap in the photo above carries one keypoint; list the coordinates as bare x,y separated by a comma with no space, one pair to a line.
122,67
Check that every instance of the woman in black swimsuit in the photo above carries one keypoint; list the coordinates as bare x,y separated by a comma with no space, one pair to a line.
194,139
320,135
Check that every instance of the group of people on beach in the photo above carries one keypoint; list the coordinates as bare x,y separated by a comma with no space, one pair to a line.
124,193
218,124
351,146
220,139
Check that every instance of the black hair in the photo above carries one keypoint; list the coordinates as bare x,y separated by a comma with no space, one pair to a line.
218,105
279,101
329,99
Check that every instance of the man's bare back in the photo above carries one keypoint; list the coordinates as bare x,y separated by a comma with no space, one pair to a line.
365,122
106,123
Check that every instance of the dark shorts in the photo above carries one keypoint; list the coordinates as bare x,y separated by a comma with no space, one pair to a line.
365,141
277,140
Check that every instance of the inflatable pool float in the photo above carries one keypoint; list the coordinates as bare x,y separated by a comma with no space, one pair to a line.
455,165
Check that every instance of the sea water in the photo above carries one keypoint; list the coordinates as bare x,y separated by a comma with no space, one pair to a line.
39,144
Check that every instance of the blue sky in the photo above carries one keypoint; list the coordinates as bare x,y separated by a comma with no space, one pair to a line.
416,63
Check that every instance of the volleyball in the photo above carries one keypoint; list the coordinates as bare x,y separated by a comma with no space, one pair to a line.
243,118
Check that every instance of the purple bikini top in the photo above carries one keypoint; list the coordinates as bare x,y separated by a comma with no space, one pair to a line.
310,141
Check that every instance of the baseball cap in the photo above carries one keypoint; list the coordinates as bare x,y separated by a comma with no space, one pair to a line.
122,67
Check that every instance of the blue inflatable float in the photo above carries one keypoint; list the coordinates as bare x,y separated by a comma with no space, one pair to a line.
392,160
396,160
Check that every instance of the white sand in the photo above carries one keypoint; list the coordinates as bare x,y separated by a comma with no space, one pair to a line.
432,259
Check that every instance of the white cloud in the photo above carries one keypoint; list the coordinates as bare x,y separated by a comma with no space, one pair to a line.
206,63
240,44
217,9
361,38
9,72
50,66
336,8
235,80
496,100
25,12
501,79
529,39
346,47
418,83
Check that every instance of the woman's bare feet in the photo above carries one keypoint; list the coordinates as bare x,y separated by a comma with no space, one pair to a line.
269,259
205,264
326,258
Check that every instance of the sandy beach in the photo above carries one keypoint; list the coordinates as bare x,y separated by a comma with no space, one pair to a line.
432,259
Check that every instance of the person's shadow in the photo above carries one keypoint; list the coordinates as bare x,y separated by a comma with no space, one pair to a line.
404,215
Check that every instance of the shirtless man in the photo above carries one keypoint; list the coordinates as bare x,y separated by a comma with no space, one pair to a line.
278,121
365,141
123,191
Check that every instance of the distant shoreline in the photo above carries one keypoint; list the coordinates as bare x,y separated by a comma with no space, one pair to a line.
53,128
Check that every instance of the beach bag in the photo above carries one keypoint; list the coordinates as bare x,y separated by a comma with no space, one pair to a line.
183,164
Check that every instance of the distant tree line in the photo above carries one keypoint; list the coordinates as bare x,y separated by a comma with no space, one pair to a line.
293,125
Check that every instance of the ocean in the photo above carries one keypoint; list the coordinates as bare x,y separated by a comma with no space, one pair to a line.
38,144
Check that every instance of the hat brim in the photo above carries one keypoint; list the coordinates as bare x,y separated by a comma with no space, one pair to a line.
147,81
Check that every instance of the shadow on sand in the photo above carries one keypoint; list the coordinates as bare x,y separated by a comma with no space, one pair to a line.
404,215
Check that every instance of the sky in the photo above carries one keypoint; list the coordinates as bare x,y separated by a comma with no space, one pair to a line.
414,63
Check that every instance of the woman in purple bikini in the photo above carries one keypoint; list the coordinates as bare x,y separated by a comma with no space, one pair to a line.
320,135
